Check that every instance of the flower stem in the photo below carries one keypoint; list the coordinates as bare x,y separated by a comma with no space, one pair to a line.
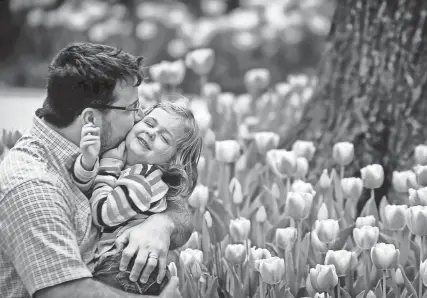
338,289
368,268
420,281
261,288
384,284
298,245
198,288
249,271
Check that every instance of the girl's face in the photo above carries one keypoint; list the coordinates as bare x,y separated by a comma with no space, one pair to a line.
153,140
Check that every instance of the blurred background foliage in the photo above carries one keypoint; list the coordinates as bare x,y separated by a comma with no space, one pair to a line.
284,36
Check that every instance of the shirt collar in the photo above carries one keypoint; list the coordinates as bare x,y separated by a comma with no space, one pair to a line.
65,151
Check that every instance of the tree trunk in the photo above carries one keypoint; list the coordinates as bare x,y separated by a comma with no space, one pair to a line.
372,84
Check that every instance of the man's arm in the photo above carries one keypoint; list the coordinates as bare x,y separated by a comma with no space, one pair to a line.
182,224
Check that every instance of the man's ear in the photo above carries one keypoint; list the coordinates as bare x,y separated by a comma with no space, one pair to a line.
90,115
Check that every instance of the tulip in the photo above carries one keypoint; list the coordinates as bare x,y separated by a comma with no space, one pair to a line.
189,256
400,180
385,256
327,230
172,269
239,229
211,90
201,165
283,163
365,221
225,102
395,217
236,191
323,213
193,242
323,277
242,105
176,72
317,244
275,191
421,172
196,271
227,151
301,186
203,120
418,197
416,219
208,219
343,153
209,139
352,187
366,236
266,141
199,197
420,155
343,260
400,281
261,215
321,295
200,61
285,238
304,149
423,272
372,176
256,254
272,270
235,253
325,181
257,79
298,205
371,294
302,167
282,89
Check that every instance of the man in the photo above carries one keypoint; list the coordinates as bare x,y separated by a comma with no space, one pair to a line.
47,239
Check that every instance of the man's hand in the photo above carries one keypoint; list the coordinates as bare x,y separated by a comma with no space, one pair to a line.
171,290
150,242
117,153
90,144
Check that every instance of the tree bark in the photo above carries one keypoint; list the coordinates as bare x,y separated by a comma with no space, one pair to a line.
371,88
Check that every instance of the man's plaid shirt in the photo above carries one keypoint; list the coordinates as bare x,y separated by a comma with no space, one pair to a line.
46,231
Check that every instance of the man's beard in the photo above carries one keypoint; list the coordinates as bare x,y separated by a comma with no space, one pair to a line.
106,132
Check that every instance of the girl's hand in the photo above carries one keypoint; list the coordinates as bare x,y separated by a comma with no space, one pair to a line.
118,153
90,145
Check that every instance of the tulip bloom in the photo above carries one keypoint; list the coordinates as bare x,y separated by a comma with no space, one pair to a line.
285,238
385,256
209,139
196,271
418,197
211,90
225,102
257,79
302,167
343,260
189,256
243,104
227,151
201,165
266,141
239,229
261,215
199,197
236,191
420,155
301,186
200,61
423,272
272,270
395,217
323,213
372,176
421,172
194,241
208,219
416,218
235,253
317,244
256,254
304,149
327,230
402,180
352,187
343,153
298,205
172,269
325,180
400,281
365,221
323,277
283,163
366,236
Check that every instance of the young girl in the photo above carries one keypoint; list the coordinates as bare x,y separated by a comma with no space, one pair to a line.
158,159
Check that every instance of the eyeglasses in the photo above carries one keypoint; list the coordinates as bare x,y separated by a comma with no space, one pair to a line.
133,107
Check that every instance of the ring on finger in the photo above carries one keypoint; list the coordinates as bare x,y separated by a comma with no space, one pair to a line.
152,256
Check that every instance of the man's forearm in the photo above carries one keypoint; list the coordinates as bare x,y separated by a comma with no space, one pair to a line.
85,288
181,219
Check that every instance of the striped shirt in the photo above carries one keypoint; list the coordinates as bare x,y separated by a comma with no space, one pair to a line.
121,198
46,231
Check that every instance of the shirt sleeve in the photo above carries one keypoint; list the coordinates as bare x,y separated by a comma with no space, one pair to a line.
82,177
37,235
115,202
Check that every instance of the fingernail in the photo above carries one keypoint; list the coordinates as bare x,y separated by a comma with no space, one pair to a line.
122,268
159,281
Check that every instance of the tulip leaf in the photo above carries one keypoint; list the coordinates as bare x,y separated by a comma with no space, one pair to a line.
190,283
342,238
386,238
220,217
290,272
206,242
304,249
378,289
370,208
383,203
408,284
425,295
237,285
344,293
416,250
394,286
360,284
404,247
212,289
361,294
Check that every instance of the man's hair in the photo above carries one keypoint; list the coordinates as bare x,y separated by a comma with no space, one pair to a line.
180,174
83,74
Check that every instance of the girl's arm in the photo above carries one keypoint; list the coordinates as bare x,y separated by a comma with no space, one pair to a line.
82,177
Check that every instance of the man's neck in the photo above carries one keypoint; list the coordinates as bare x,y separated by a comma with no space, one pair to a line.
70,132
